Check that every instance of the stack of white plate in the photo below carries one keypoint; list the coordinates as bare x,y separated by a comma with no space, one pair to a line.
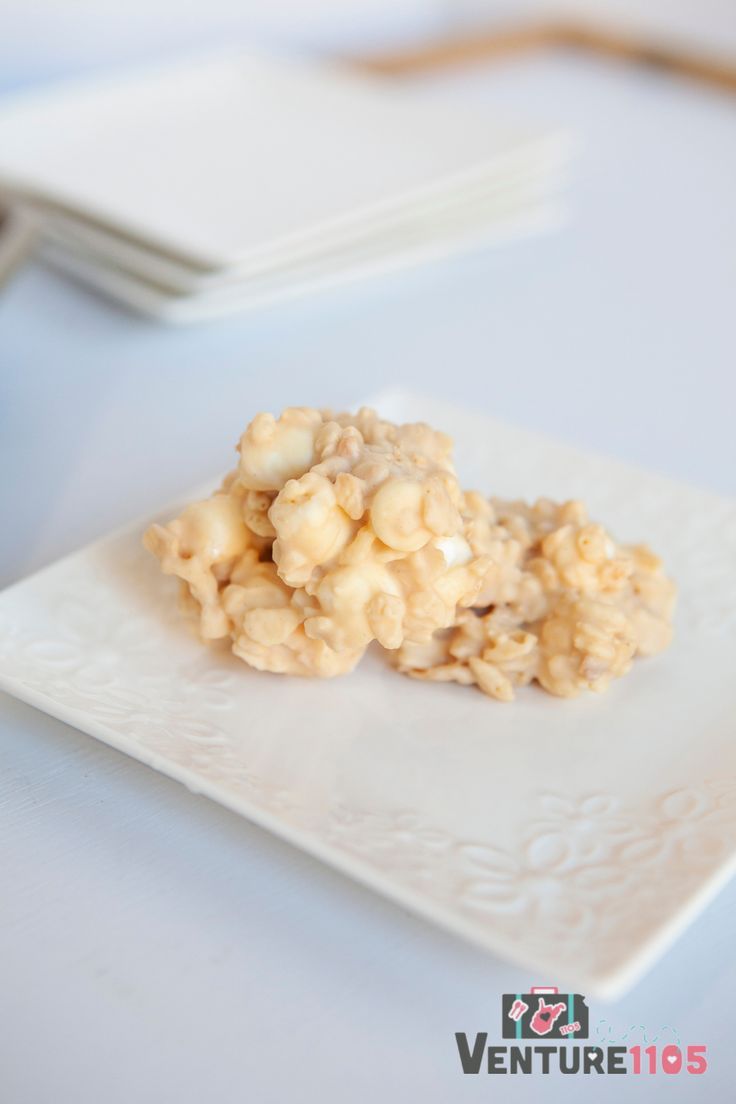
209,186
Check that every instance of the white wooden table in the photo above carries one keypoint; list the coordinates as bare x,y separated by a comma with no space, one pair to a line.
154,947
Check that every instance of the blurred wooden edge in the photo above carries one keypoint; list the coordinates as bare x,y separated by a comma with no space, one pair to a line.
487,45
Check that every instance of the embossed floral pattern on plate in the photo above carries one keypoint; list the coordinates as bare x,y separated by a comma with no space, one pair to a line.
577,838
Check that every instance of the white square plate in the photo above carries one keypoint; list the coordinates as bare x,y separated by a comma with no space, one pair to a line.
373,259
575,837
262,154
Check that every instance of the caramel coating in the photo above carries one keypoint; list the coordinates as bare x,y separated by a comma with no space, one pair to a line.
372,534
267,627
201,547
561,603
584,643
274,450
335,530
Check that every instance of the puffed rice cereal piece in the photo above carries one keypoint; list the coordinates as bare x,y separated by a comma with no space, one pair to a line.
267,627
560,602
489,650
584,643
649,601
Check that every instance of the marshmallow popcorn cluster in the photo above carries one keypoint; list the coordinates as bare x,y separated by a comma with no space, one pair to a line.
336,530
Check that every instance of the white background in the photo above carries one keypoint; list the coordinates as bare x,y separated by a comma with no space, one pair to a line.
155,948
50,36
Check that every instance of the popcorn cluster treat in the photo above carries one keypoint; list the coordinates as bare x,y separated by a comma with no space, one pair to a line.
336,530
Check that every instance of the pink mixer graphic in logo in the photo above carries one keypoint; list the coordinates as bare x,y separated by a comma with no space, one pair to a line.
543,1012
